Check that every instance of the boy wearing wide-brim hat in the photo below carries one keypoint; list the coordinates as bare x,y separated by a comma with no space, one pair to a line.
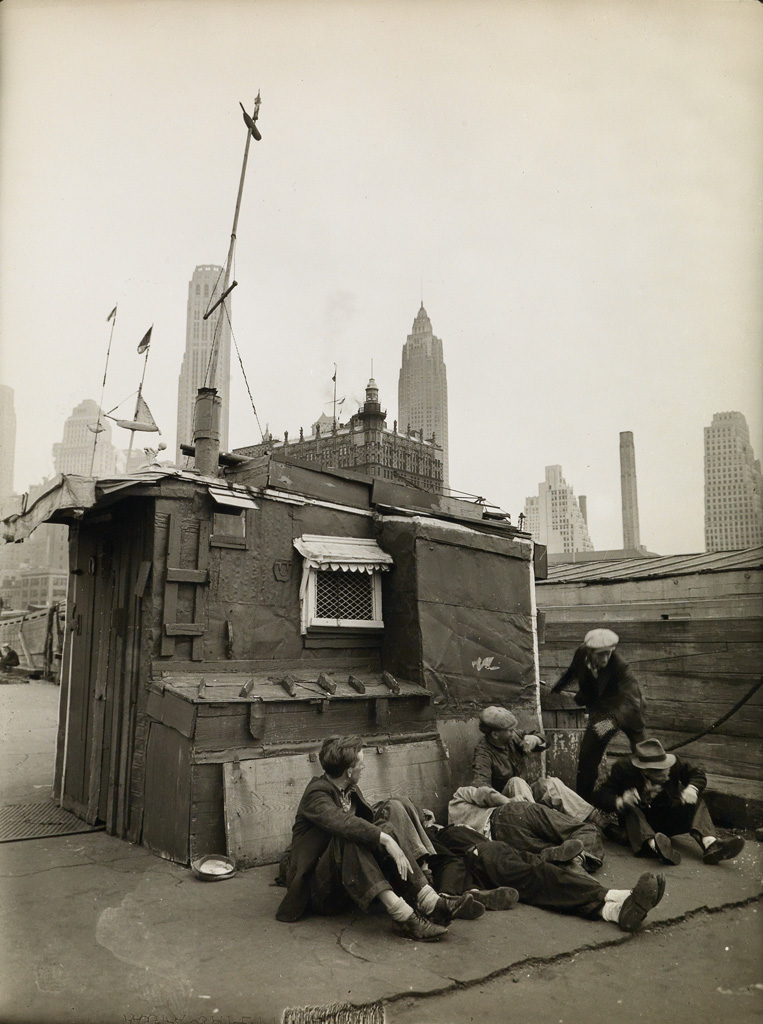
657,795
610,693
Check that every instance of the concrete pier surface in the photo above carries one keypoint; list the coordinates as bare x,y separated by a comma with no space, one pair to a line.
97,930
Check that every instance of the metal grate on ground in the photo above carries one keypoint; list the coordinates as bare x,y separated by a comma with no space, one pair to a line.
39,821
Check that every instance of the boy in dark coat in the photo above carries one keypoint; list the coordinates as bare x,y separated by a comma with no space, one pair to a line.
656,796
345,851
611,695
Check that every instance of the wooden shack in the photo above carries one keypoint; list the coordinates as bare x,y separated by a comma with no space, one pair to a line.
691,626
219,626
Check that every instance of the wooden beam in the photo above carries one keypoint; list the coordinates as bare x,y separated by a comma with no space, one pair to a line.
326,684
187,576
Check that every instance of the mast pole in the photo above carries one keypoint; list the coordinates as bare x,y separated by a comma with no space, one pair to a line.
137,400
103,388
212,373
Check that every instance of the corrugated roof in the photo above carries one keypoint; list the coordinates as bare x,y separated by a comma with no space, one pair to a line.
653,568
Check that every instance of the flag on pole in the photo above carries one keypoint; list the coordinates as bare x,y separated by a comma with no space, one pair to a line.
145,341
112,314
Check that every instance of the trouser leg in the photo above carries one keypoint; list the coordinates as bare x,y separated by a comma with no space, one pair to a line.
346,869
678,820
517,789
639,827
400,816
533,827
539,882
552,792
592,747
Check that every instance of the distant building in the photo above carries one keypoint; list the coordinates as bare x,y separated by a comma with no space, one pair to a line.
422,390
554,517
203,288
21,588
733,486
365,445
74,454
7,440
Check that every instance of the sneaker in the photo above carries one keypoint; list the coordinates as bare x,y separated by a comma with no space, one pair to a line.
668,853
419,929
450,907
723,849
502,898
569,850
645,895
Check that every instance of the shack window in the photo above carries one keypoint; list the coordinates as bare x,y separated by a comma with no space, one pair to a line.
341,584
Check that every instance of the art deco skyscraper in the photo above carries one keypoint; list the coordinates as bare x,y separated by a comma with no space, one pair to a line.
554,517
204,287
78,451
733,486
422,390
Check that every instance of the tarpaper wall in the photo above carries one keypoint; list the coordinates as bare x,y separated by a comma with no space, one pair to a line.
460,612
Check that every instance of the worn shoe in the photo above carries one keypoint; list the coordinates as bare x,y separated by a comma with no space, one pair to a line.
645,895
668,853
723,849
419,928
563,854
601,818
449,907
502,898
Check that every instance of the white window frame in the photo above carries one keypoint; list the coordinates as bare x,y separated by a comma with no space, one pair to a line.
309,618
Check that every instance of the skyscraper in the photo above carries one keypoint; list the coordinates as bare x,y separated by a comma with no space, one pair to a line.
203,288
7,440
554,517
733,485
74,454
422,390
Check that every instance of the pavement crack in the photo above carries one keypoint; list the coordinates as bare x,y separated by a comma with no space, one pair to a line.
539,963
347,946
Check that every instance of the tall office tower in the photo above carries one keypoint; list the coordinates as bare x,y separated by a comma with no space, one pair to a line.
733,486
203,289
75,453
422,389
629,491
7,440
554,517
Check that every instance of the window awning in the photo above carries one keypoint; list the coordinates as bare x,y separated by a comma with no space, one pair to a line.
355,554
233,499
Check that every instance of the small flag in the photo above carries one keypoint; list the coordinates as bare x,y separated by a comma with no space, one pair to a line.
145,341
112,314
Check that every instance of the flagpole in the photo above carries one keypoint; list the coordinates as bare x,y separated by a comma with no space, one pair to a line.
137,400
334,379
103,388
212,372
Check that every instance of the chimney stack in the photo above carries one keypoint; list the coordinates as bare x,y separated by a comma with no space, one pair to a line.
206,431
629,492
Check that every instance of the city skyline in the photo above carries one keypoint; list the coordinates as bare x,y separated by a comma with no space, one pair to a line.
530,171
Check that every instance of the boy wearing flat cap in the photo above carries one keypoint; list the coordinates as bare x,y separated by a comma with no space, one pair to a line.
656,796
611,695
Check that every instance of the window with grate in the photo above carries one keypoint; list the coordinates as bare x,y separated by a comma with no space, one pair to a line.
340,594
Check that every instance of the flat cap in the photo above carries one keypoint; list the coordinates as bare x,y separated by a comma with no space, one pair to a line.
497,718
601,640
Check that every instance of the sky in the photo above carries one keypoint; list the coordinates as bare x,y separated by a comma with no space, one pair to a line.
572,188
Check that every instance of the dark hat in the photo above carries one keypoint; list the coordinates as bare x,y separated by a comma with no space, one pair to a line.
649,754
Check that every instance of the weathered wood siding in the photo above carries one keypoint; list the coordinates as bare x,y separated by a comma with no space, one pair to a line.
695,642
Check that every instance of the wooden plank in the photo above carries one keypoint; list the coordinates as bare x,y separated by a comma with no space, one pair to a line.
140,583
174,712
171,589
101,640
187,576
166,813
183,629
201,597
261,795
